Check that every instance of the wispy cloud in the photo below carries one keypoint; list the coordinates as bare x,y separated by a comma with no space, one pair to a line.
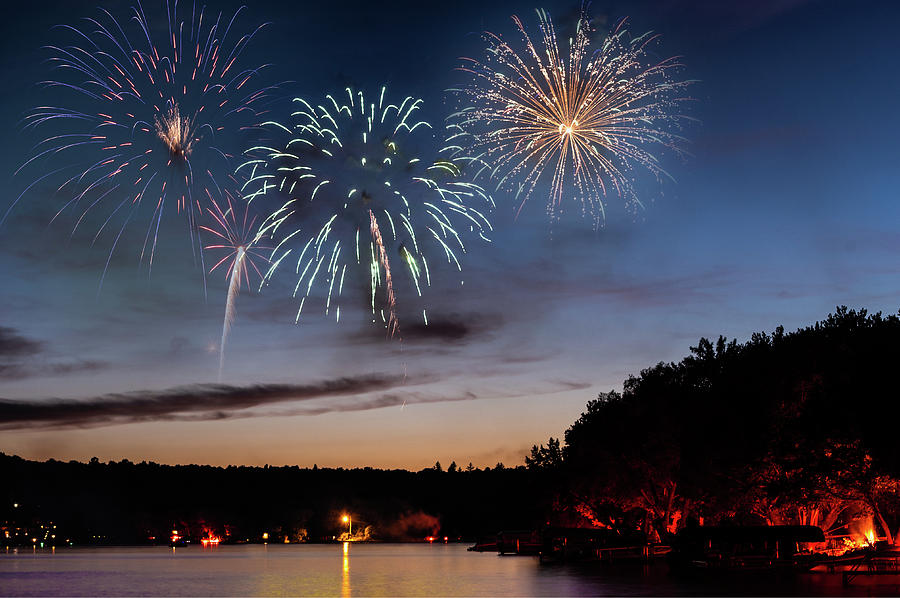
23,357
199,401
206,402
13,345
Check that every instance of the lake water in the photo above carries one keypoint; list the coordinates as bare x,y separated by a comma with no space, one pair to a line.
362,570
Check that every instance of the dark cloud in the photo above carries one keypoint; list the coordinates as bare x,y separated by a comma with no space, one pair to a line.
15,346
16,353
452,328
22,357
209,402
199,401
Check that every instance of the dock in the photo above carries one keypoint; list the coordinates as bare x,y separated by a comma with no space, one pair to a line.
882,561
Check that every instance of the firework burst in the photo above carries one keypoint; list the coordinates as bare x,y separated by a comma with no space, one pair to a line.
147,110
582,119
363,189
239,245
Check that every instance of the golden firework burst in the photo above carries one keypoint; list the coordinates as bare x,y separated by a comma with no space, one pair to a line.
176,132
586,116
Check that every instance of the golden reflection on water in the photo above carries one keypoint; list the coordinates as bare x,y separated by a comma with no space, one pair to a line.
345,576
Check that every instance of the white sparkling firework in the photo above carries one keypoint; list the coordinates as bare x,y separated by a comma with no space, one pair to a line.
365,190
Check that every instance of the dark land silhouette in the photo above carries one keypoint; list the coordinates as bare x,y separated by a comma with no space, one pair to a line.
786,428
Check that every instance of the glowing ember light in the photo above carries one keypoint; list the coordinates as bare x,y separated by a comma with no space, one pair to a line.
862,534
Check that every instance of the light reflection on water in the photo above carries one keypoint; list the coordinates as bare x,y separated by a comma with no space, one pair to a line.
345,578
378,570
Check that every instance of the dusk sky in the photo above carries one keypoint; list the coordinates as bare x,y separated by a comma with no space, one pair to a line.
786,208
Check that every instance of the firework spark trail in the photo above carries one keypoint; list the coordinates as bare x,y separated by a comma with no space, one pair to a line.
238,237
393,322
140,117
353,190
586,119
234,287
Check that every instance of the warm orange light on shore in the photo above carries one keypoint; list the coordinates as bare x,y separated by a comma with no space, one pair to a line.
870,536
210,540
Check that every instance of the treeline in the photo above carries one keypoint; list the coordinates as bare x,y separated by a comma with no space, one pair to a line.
798,427
136,503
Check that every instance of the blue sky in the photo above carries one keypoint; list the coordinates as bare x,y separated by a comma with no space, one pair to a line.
786,209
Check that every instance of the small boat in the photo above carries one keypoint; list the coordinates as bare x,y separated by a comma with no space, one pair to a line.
570,544
522,543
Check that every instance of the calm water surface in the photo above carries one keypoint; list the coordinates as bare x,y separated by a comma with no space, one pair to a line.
361,570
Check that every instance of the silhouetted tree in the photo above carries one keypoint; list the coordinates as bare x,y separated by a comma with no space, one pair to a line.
549,457
788,427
